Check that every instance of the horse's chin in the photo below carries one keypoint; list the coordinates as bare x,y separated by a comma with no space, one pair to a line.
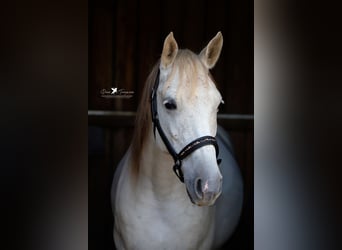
201,203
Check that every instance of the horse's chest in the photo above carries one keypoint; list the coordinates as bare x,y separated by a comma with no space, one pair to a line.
149,226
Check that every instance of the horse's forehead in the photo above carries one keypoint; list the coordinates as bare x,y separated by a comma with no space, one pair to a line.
187,81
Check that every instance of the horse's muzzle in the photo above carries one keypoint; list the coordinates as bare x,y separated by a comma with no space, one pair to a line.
206,192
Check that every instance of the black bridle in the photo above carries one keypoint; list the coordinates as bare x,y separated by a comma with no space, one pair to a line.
188,149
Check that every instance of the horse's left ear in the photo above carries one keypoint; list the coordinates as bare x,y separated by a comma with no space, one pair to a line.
211,53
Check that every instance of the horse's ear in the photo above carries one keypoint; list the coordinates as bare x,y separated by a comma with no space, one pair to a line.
170,50
211,53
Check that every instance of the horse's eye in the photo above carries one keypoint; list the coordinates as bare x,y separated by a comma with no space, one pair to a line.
170,104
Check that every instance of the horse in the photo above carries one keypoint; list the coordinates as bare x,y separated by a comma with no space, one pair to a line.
198,204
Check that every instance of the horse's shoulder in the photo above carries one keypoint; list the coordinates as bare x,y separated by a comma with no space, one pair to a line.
118,172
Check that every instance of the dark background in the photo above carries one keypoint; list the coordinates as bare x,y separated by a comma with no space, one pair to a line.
125,41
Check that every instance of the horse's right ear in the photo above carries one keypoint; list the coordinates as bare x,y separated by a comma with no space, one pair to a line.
170,50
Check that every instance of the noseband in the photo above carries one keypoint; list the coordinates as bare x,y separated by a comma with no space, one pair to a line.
188,149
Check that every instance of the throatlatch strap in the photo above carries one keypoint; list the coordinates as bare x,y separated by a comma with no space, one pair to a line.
156,123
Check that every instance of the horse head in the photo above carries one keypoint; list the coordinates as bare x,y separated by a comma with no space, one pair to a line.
187,101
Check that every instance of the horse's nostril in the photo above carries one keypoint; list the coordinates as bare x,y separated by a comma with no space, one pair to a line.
198,188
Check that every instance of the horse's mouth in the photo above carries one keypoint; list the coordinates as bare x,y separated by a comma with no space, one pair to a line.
202,203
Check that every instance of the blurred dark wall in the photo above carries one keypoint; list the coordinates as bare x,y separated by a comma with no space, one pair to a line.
126,39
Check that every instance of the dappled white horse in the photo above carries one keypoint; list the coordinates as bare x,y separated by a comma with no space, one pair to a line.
175,130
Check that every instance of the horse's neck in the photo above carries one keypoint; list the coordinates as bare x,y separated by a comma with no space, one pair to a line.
155,172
